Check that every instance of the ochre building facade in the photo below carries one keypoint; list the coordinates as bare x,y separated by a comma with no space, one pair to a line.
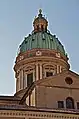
46,88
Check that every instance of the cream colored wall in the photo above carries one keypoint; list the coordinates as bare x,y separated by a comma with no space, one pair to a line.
48,96
32,98
56,89
40,96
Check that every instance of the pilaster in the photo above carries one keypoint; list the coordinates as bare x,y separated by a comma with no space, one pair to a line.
21,79
57,69
40,71
37,75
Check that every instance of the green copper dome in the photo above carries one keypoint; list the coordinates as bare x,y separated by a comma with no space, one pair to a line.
41,37
41,40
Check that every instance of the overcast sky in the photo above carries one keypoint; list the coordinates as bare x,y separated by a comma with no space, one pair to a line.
16,18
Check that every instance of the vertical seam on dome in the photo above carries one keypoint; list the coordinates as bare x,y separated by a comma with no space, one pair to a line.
31,40
45,40
48,40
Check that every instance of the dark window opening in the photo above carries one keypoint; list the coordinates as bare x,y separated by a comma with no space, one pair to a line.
29,79
43,38
49,74
51,39
69,103
33,39
60,104
25,42
38,27
42,28
77,105
46,28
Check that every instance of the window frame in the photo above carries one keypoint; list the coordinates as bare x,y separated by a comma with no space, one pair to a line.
50,73
29,78
69,103
77,105
60,104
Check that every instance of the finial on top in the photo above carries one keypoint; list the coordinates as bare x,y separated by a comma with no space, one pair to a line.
40,11
40,23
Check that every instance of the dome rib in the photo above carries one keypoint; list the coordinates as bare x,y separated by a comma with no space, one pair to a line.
43,40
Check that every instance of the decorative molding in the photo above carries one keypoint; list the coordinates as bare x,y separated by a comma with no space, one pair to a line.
38,115
38,53
58,55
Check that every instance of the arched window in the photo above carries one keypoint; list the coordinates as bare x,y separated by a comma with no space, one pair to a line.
49,74
37,27
42,28
69,103
29,79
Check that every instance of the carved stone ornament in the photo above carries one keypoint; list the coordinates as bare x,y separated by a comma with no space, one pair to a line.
38,53
58,55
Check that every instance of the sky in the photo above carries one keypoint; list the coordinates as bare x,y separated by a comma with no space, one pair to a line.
16,18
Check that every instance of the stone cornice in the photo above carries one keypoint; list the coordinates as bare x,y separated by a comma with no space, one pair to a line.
42,50
31,56
9,98
41,113
41,59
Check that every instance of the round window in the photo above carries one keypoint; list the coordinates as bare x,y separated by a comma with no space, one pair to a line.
68,80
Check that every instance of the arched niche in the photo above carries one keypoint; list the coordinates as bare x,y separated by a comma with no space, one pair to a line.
69,103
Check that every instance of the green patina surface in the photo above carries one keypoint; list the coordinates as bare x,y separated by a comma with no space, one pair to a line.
41,40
